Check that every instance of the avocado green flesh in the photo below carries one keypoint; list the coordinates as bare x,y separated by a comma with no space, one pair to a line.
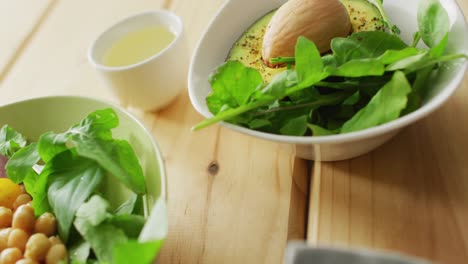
364,16
248,48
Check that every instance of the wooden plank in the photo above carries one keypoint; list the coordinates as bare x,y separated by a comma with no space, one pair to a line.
249,208
19,20
408,195
55,61
230,195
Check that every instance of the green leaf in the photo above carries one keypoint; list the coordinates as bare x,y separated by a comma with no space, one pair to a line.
95,210
385,106
433,22
364,45
10,141
72,179
379,4
353,99
102,237
21,163
309,65
129,223
128,206
80,251
116,156
392,56
358,68
295,126
320,131
92,138
136,252
232,84
279,86
38,185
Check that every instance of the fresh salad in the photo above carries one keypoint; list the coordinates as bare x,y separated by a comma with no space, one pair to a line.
54,196
367,79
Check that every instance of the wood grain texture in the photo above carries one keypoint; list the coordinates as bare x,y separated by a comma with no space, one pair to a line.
410,195
232,198
19,20
55,60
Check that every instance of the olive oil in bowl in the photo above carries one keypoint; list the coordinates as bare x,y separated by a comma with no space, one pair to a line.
136,46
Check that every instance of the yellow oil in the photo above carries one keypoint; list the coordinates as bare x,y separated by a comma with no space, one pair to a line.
137,46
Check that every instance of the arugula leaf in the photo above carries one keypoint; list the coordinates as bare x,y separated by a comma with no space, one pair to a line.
232,84
358,68
92,138
72,179
295,126
379,4
320,131
433,22
309,65
10,141
136,252
364,45
385,106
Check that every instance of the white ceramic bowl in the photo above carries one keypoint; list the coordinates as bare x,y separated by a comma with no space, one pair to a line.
237,15
34,117
301,253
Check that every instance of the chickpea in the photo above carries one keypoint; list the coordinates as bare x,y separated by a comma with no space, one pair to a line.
54,240
37,247
21,199
4,234
24,218
17,239
6,216
27,261
10,256
46,224
56,254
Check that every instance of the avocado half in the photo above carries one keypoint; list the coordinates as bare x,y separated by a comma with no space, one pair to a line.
364,16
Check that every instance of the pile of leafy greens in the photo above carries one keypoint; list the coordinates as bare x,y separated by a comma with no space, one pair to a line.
370,78
64,173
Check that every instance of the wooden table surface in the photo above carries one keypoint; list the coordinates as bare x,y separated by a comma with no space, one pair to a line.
237,199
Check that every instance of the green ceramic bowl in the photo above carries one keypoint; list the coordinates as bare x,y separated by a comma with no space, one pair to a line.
35,116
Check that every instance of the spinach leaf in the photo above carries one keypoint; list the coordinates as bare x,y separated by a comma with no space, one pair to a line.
92,225
136,252
232,84
80,251
129,223
10,141
433,22
92,138
385,106
128,206
72,179
20,165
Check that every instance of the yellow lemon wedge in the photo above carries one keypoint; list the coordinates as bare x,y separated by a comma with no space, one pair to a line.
8,192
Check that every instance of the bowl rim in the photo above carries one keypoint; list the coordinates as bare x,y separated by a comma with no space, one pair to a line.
155,146
435,103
